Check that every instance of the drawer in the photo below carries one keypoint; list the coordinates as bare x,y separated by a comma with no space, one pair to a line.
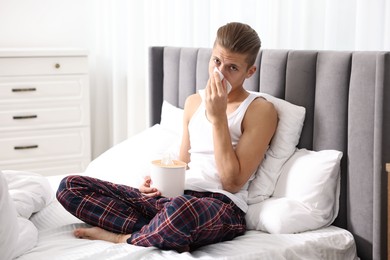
51,167
23,89
46,145
16,66
39,116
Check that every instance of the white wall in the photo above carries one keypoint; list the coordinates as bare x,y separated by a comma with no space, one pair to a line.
117,34
44,23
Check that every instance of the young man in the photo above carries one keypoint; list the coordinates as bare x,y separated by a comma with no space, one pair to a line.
225,137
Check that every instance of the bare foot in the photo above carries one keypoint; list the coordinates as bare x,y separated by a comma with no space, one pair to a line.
97,233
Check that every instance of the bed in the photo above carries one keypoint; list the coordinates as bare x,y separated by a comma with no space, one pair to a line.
333,108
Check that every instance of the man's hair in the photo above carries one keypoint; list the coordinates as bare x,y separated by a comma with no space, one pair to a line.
239,38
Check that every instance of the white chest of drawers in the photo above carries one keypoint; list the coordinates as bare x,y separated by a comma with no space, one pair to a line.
44,111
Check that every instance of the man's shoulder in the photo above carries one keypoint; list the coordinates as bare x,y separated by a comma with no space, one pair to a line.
192,103
261,109
193,99
260,103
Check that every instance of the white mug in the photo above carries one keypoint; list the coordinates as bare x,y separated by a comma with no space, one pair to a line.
168,178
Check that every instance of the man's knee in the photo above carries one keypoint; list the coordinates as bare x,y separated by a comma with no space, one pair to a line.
64,186
183,202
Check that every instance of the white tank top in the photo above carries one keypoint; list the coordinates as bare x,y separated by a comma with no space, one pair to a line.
202,174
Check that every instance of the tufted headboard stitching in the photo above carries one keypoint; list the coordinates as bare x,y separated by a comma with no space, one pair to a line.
346,95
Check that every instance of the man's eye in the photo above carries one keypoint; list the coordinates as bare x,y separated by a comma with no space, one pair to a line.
233,68
216,61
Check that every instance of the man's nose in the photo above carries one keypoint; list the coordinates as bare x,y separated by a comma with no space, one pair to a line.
222,68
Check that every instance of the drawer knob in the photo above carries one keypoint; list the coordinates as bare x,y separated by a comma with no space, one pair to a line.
26,147
57,65
25,117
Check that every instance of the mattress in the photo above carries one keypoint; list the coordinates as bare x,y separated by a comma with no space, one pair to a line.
56,241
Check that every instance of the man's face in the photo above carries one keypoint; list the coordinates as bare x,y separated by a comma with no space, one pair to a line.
232,65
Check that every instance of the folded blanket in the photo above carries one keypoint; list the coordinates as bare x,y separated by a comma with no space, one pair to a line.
21,195
29,191
9,227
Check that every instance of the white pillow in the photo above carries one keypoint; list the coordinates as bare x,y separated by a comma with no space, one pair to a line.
172,117
129,161
306,195
283,145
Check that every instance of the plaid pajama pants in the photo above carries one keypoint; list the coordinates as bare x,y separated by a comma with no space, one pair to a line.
183,223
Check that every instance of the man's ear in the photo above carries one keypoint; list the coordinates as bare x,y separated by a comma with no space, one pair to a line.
251,71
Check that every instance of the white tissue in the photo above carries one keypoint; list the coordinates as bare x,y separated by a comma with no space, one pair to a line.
221,76
167,159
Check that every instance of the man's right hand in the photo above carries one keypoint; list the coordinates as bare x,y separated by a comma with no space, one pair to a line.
147,190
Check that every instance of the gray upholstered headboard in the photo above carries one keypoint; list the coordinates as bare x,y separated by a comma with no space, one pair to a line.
346,95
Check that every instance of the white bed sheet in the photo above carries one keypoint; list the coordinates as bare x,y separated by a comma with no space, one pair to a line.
56,241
